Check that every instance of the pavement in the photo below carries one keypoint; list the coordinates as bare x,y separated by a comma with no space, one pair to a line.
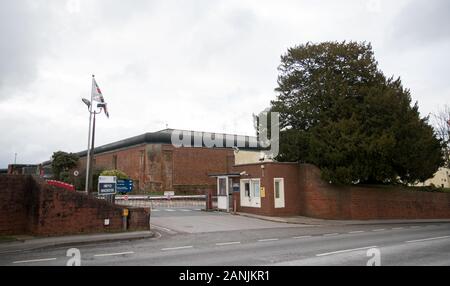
26,243
323,222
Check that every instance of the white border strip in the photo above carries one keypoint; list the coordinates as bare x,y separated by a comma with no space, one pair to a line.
344,251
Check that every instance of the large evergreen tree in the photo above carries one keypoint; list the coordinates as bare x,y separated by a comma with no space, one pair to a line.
339,112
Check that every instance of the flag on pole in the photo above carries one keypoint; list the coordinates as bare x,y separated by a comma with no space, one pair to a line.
98,96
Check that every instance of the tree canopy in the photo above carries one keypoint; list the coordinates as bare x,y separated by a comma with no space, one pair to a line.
341,113
62,162
115,173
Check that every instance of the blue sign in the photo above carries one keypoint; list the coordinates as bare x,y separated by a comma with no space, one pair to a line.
124,186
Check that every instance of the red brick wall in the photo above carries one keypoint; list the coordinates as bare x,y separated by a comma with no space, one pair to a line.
191,166
289,172
162,167
13,204
38,209
306,194
131,160
323,200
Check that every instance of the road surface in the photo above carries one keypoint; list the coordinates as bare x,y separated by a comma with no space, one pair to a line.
190,237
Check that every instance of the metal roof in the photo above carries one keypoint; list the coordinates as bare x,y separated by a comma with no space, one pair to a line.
165,137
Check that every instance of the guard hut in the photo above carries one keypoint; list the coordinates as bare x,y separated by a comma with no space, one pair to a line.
266,188
227,185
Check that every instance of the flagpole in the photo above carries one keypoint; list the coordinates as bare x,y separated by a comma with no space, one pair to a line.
88,158
92,155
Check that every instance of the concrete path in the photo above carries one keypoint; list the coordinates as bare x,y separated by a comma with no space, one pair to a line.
185,220
323,222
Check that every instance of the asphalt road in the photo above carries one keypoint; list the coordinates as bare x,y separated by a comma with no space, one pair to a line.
268,244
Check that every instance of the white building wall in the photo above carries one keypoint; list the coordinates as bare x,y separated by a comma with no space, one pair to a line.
440,179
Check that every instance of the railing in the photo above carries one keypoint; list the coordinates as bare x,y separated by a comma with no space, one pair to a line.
161,201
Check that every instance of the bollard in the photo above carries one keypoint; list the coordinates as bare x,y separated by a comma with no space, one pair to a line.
209,201
125,214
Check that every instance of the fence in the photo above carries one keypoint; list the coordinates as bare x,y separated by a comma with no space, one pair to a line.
161,201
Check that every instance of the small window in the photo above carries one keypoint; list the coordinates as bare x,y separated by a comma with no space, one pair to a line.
115,162
247,189
277,189
222,187
256,188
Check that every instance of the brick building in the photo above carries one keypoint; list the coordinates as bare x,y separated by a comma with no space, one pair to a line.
293,189
155,164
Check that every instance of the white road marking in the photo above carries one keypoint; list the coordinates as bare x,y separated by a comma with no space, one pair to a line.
330,234
163,228
344,251
34,260
177,248
197,209
155,210
357,231
397,228
228,243
377,230
114,254
301,237
169,210
267,240
428,239
415,226
183,210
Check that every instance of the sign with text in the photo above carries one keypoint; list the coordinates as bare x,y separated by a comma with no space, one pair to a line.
107,185
124,186
169,194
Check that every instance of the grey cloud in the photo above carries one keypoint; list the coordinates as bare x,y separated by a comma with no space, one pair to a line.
18,51
423,22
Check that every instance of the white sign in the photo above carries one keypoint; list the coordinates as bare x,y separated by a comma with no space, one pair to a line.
169,194
107,185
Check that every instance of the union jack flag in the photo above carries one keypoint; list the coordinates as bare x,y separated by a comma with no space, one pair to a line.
98,96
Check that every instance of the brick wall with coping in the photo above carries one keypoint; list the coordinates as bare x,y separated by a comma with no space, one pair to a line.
31,207
306,194
322,200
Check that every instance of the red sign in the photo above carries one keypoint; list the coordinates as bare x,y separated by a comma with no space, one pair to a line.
61,185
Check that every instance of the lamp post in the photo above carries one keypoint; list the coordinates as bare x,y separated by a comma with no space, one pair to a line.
88,154
91,144
96,95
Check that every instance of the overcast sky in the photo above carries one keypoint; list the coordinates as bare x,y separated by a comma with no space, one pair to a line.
198,65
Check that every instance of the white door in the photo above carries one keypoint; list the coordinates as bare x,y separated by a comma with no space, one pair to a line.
256,198
278,190
222,193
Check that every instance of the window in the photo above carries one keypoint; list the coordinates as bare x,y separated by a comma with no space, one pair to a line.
277,189
247,189
222,187
256,188
115,162
142,162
